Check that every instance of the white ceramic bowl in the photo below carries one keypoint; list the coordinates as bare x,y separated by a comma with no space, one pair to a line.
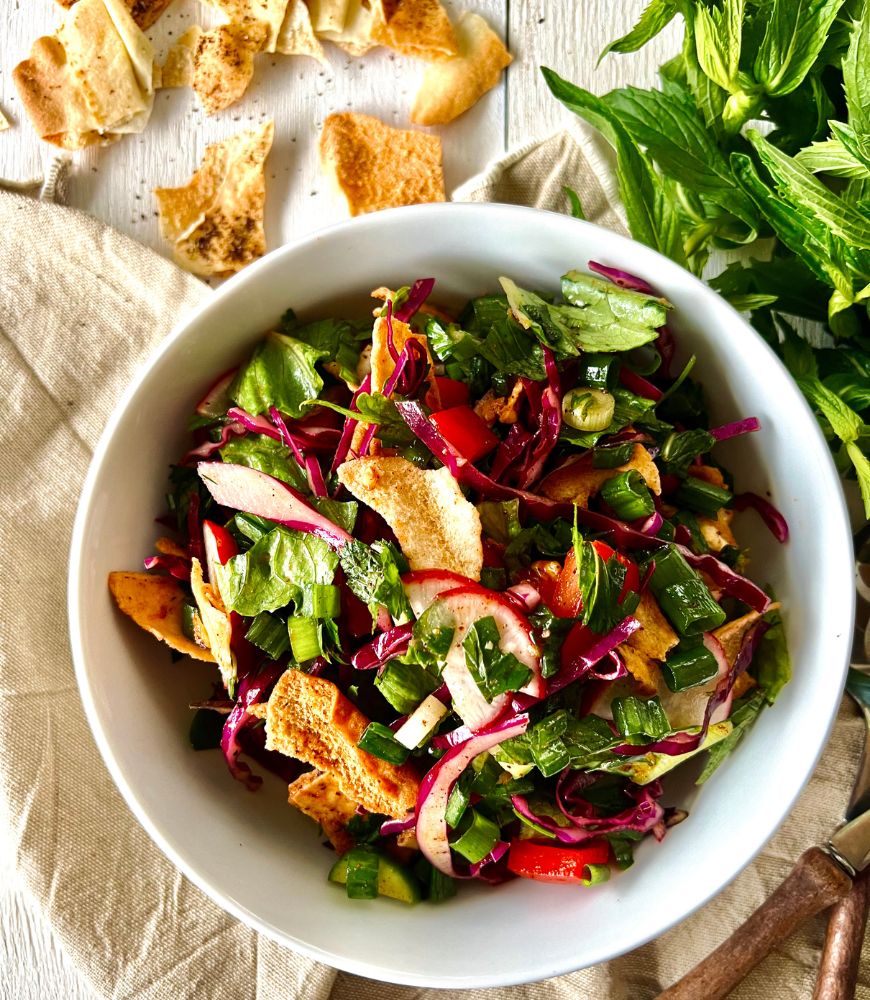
263,861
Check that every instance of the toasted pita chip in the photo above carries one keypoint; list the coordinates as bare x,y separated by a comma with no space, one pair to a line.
216,623
269,12
4,121
419,28
642,668
716,531
310,719
375,166
143,12
216,220
363,23
655,638
177,71
451,87
223,63
154,603
319,796
296,35
436,527
504,409
328,15
168,547
732,634
579,481
381,360
709,473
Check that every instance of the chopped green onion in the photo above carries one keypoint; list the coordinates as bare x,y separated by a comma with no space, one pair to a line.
596,874
680,448
699,495
682,594
362,873
189,616
478,838
378,740
304,638
690,522
598,371
321,600
547,747
206,728
588,409
612,456
640,717
457,803
269,633
405,685
439,885
623,852
688,666
541,831
628,495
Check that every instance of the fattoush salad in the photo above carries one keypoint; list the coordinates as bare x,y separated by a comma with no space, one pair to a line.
469,581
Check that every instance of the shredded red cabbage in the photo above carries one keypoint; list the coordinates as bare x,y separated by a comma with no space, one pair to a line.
344,442
384,647
195,548
773,519
253,689
622,278
393,826
584,663
737,427
729,582
549,424
639,385
420,291
174,565
484,869
259,425
208,448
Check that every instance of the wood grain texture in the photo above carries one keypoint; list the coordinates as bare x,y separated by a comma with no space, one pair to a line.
114,184
841,956
815,883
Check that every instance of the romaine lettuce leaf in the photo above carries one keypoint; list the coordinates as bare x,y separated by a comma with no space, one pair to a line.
280,373
266,455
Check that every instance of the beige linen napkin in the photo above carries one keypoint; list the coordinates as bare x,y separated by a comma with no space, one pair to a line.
80,308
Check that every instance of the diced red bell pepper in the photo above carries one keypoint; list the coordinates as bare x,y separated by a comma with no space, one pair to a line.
555,863
452,392
465,431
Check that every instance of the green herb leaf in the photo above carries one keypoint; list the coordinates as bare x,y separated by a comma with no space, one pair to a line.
257,451
373,574
654,18
574,203
280,373
339,342
772,663
741,718
494,670
856,73
796,31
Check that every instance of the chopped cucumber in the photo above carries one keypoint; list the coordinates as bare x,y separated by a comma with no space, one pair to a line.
394,881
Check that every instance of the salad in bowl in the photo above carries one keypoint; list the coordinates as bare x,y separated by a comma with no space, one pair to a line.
469,580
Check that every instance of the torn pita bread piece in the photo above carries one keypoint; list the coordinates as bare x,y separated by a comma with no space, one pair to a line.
296,35
375,166
4,121
319,796
92,81
435,526
215,221
215,622
363,22
449,88
579,481
655,638
310,719
716,531
328,15
381,358
223,63
419,28
642,668
732,634
168,547
155,603
143,12
289,23
177,70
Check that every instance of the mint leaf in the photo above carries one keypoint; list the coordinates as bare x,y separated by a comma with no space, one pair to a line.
656,16
795,32
339,341
275,572
856,73
574,203
649,201
831,157
280,373
741,718
373,574
718,39
494,671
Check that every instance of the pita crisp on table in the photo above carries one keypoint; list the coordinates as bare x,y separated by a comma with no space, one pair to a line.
4,121
289,24
215,221
296,35
418,28
92,81
376,166
451,87
143,12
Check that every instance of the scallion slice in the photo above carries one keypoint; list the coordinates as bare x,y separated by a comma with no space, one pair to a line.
378,740
321,600
640,717
682,594
628,496
457,803
269,633
405,685
305,639
477,839
596,874
701,496
189,616
588,409
612,456
689,665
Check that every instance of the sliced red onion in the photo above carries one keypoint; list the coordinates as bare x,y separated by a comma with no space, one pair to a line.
729,582
252,691
420,291
443,741
550,423
175,566
652,525
622,278
384,647
436,786
315,477
495,855
217,399
737,427
773,519
682,535
582,665
241,488
639,385
208,448
392,826
526,593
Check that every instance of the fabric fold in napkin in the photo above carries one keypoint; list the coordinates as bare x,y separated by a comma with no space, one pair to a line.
80,309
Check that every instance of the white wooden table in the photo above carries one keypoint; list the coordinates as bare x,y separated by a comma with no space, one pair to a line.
115,184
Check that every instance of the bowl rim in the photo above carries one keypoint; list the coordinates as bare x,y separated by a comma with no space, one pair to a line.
235,285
